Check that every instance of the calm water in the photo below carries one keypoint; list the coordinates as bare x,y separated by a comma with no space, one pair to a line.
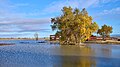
29,53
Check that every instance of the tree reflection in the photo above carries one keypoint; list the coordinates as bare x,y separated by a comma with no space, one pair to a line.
83,58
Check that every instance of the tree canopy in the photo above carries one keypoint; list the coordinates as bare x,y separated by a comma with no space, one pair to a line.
74,26
105,31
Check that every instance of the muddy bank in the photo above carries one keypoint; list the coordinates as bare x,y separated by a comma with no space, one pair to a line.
3,44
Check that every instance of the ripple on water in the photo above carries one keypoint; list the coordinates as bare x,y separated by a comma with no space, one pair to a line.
63,56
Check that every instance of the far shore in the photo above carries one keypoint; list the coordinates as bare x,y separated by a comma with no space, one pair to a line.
104,42
21,39
87,42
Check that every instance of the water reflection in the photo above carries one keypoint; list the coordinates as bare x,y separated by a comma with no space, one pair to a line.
77,61
59,56
103,51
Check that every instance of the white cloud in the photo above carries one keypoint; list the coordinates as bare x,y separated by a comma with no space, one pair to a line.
24,25
56,6
23,28
24,20
112,11
11,21
111,16
107,1
19,5
14,34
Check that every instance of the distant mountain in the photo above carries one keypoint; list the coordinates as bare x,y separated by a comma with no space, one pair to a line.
115,35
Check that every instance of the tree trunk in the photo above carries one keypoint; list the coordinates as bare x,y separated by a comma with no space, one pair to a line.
103,37
76,39
80,42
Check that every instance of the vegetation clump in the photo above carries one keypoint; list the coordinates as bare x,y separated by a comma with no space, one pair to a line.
73,26
105,31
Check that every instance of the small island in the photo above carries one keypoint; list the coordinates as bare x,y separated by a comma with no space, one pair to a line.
75,26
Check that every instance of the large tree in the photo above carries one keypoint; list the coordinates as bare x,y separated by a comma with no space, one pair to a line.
105,31
74,26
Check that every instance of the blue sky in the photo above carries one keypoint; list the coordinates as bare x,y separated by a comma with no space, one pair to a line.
23,18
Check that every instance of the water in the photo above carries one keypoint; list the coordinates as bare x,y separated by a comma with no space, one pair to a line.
29,53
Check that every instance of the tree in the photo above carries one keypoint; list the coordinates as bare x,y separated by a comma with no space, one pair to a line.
105,31
36,36
74,26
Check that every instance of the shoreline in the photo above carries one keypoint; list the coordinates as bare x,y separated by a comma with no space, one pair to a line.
97,42
21,39
4,44
104,42
57,42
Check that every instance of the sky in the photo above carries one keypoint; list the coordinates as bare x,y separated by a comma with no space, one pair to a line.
23,18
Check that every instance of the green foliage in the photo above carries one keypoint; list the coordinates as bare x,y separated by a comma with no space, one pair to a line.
74,26
105,31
